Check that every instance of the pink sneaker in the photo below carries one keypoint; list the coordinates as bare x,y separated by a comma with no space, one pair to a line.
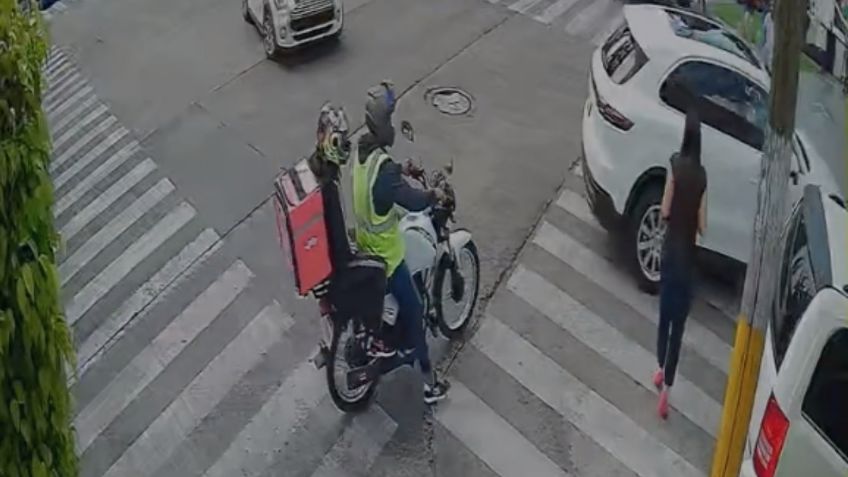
658,379
662,406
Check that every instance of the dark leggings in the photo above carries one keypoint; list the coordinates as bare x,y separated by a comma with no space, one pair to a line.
410,325
675,301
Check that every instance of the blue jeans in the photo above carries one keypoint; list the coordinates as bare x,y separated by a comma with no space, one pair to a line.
675,302
410,325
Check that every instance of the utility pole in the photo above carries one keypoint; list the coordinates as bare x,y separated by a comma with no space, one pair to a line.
762,274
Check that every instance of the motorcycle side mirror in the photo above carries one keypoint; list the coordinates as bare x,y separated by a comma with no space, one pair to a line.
407,131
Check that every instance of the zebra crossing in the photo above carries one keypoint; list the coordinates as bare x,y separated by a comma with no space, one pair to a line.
187,368
590,20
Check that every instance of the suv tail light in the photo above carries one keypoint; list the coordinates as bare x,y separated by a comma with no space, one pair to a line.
773,432
609,113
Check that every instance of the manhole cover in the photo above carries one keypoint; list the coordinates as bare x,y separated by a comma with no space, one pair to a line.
452,101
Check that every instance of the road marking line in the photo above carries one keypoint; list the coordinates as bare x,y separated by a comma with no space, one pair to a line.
617,348
359,445
51,109
587,19
629,443
81,142
94,114
554,11
55,61
488,435
89,157
60,71
124,264
58,109
522,6
106,199
77,111
576,205
156,444
607,30
254,449
70,82
113,230
159,353
603,273
189,259
102,171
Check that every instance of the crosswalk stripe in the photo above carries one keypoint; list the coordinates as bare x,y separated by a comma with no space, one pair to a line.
605,31
89,157
101,127
253,450
522,6
587,19
603,273
106,199
591,413
52,66
596,334
57,106
575,204
153,447
61,71
54,112
127,261
113,229
78,126
86,184
159,353
71,116
359,445
69,82
488,436
553,11
146,295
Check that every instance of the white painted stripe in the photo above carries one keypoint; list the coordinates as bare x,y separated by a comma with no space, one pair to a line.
59,108
71,116
106,199
79,87
603,273
102,171
554,11
113,230
60,71
124,264
199,398
159,353
618,349
625,440
254,449
522,6
576,205
499,445
588,19
53,63
146,296
66,84
606,30
88,119
89,156
359,445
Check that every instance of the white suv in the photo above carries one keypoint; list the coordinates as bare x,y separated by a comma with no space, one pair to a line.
286,24
633,122
799,426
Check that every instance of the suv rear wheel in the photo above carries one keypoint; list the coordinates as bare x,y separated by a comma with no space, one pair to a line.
646,231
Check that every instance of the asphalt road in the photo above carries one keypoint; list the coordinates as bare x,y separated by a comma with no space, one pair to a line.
168,127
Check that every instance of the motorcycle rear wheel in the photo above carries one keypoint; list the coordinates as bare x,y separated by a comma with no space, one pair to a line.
348,401
453,325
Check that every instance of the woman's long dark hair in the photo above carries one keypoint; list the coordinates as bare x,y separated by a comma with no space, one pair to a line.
691,147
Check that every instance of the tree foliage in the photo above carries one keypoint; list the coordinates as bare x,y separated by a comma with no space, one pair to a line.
36,439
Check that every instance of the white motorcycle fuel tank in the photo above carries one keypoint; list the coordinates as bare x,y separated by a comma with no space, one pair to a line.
420,238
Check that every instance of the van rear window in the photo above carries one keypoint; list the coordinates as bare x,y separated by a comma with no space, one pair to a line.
622,56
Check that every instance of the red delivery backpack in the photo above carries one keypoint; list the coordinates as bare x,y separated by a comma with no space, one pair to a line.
300,224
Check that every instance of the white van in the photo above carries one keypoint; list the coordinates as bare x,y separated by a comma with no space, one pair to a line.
799,426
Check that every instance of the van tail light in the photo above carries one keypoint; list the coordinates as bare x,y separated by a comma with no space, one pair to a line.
609,113
773,432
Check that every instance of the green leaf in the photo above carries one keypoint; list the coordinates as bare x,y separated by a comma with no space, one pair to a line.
15,412
38,468
26,273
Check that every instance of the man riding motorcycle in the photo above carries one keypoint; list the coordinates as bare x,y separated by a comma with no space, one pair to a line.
378,187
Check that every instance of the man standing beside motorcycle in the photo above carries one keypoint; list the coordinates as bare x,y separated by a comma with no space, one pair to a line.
378,187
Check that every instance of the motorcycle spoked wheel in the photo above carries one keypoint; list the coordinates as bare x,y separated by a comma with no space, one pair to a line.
467,288
347,351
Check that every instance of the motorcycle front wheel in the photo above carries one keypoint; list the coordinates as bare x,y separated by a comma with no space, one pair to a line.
347,352
455,301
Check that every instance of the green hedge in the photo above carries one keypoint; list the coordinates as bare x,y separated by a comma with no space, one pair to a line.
36,439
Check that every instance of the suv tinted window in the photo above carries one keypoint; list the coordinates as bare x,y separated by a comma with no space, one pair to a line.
824,403
729,102
797,287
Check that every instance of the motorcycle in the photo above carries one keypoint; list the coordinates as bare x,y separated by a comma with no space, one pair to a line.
445,268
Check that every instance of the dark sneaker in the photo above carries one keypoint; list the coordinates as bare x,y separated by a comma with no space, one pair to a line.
436,392
380,349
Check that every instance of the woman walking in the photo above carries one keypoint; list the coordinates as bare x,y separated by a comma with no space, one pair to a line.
683,209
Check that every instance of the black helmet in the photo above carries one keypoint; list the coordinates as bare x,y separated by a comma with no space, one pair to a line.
378,113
